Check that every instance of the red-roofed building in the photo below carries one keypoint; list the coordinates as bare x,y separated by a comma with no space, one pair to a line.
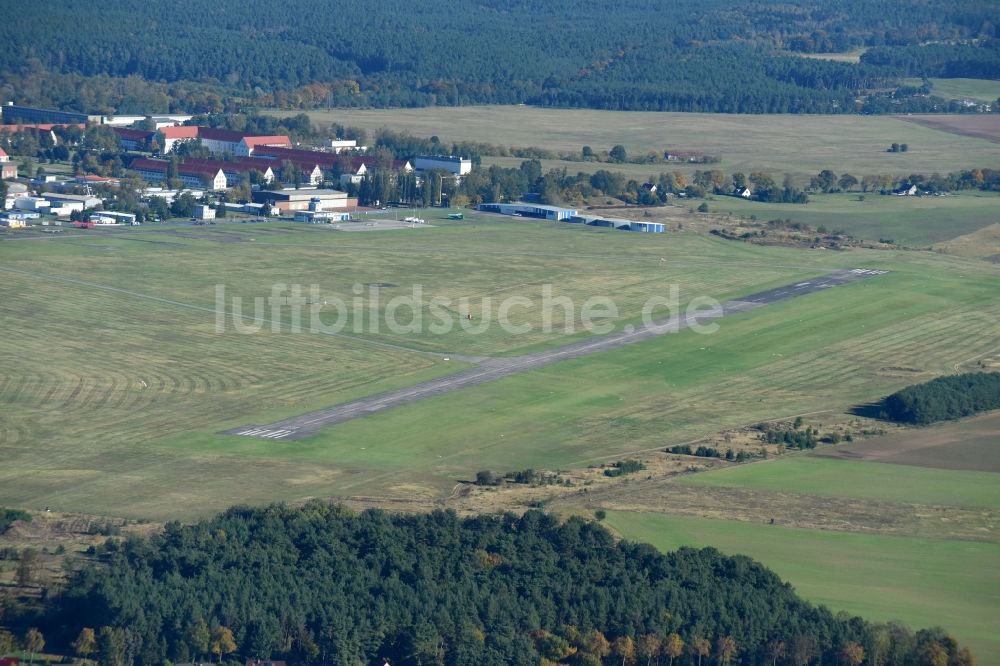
220,140
236,169
251,143
134,139
94,179
169,137
191,175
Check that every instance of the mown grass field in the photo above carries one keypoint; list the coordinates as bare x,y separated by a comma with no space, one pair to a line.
112,399
795,144
922,582
909,221
983,90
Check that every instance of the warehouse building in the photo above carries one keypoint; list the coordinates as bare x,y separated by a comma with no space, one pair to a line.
14,114
290,200
521,209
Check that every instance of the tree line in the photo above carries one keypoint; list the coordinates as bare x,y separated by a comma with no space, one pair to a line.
320,584
691,55
944,398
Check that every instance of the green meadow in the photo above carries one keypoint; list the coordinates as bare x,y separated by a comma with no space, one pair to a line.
983,90
909,221
922,582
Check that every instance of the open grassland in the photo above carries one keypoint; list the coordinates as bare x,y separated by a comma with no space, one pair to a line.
983,90
483,260
909,221
112,400
795,144
820,475
922,582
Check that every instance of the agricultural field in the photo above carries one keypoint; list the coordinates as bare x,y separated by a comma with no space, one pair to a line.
826,476
909,221
116,409
900,526
922,582
969,444
794,144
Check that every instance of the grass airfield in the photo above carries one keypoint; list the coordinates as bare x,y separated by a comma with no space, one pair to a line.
116,385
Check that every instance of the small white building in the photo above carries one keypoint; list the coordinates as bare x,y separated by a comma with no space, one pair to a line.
340,145
66,209
321,217
203,212
113,217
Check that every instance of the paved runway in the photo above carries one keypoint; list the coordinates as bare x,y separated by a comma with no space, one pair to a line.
494,368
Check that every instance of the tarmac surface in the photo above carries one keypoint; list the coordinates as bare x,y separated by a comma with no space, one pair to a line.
490,369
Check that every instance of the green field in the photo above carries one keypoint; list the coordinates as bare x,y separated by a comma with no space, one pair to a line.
796,144
111,399
983,90
909,221
877,481
923,582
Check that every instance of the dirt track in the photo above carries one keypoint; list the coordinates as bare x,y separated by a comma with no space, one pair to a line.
495,368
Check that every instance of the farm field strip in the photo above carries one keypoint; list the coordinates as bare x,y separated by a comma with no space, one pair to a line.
923,582
828,476
803,144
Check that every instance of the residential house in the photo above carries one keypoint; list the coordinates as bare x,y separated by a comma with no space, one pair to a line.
7,168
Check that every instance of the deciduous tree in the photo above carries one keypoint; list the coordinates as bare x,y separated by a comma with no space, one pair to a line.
33,642
700,647
85,643
222,642
673,647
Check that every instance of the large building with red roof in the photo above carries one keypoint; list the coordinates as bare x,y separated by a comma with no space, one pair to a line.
218,140
191,175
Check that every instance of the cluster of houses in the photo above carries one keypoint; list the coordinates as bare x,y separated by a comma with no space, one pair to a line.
245,153
236,157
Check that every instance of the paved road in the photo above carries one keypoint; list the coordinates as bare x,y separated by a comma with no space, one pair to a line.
494,368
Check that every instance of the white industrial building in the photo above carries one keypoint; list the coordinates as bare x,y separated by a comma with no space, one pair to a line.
458,166
203,212
36,204
82,200
321,217
521,209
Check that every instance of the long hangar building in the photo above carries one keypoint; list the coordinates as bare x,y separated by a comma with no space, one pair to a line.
539,211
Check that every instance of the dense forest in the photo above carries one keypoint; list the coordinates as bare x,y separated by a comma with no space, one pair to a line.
318,584
945,398
146,56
